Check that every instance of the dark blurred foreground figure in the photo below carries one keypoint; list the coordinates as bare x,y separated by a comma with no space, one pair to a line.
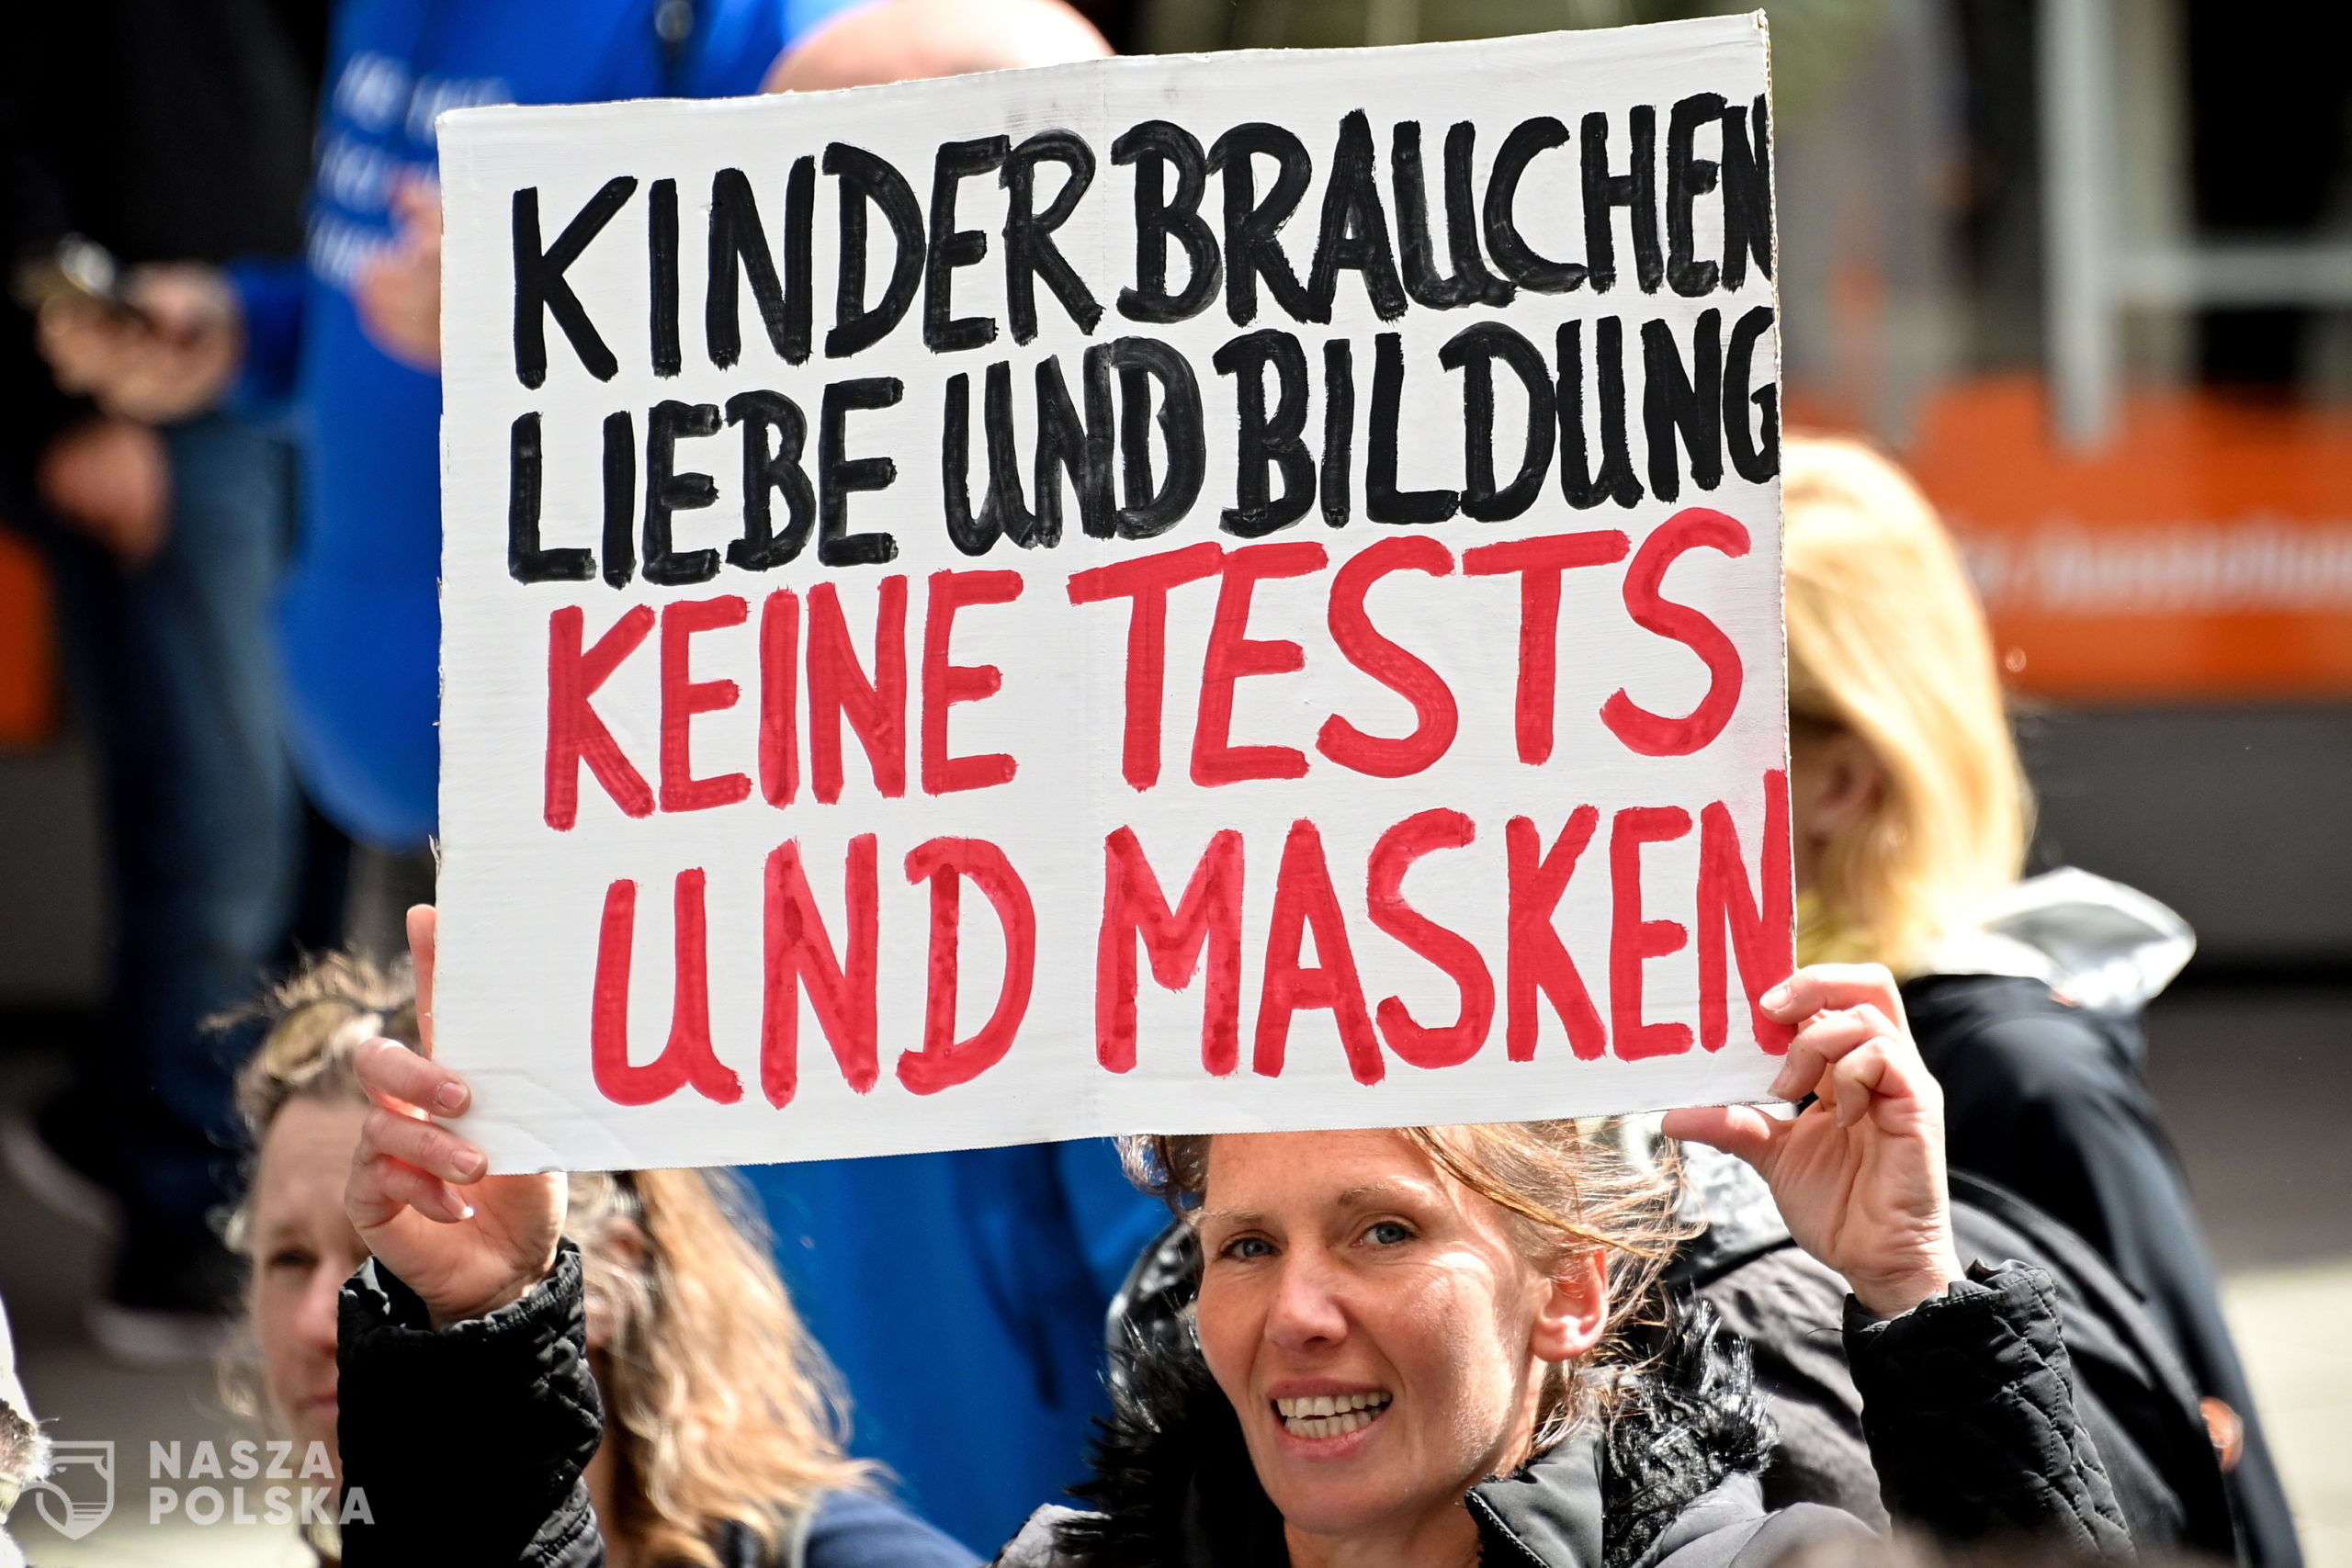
1009,1256
720,1442
163,129
1910,819
1410,1346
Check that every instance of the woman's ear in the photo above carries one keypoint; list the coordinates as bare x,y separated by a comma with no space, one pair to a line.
1835,780
619,1250
1847,779
1574,1311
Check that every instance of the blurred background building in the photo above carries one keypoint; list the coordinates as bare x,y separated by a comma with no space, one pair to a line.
2086,266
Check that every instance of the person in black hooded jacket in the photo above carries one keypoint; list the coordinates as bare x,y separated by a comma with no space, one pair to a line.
1408,1349
1910,817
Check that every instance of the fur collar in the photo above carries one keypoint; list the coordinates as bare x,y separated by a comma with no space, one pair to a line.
1174,1487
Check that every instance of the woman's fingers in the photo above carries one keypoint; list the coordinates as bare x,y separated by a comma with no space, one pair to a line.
1856,1077
1741,1131
434,1150
398,1079
424,943
1851,1059
381,1186
404,1159
1886,1074
1826,988
1825,1039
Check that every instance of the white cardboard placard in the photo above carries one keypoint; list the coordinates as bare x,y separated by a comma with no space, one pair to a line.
1476,778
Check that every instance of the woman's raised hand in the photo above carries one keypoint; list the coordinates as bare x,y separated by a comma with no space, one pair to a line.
467,1244
1860,1174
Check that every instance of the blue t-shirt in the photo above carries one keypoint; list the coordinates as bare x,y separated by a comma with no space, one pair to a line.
360,623
962,1297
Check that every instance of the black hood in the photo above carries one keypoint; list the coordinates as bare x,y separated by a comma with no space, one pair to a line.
1174,1487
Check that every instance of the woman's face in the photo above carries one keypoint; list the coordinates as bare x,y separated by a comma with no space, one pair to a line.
1378,1332
303,1250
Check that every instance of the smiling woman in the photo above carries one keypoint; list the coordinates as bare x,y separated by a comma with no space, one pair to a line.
1407,1351
1436,1345
1397,1315
1562,1202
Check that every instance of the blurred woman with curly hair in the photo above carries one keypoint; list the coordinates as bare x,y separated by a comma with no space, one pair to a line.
719,1441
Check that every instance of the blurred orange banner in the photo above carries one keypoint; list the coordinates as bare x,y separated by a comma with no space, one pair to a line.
2205,553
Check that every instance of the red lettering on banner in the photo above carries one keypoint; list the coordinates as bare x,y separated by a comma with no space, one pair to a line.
1234,654
1146,580
839,688
575,735
1208,916
1634,941
1304,902
682,697
1449,949
1760,936
799,952
1392,666
780,697
944,1061
944,684
1642,731
1536,961
688,1057
1540,561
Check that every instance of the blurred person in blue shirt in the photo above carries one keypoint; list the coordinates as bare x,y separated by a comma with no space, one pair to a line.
213,355
963,1298
360,623
347,336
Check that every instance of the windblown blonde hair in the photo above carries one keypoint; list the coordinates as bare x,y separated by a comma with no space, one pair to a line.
1886,639
723,1407
1565,1188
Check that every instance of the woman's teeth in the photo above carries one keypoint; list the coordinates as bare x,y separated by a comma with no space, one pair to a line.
1330,1415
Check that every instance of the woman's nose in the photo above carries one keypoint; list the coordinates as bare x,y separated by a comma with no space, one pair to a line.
1306,1311
321,1307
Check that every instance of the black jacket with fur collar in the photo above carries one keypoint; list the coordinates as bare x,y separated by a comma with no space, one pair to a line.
1973,1385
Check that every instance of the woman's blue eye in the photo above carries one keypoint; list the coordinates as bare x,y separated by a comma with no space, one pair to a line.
1388,1232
